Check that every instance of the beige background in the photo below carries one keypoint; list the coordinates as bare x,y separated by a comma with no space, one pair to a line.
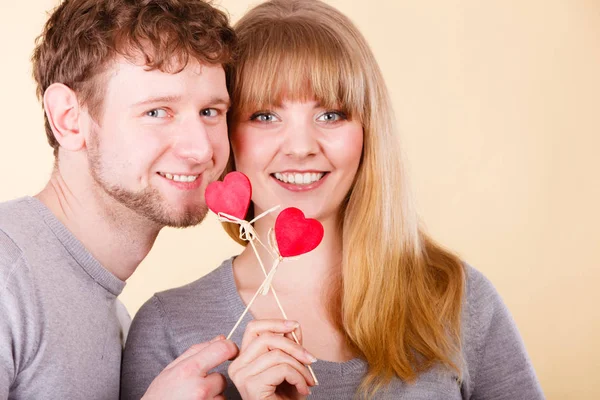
498,103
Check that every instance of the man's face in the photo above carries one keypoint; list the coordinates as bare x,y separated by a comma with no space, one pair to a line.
160,139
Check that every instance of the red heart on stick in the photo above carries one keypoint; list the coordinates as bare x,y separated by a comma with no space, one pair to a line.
296,234
232,196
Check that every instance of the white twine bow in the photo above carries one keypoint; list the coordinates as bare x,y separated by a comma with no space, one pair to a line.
247,232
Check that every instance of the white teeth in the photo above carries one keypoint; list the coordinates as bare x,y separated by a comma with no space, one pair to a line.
179,178
281,177
306,179
299,179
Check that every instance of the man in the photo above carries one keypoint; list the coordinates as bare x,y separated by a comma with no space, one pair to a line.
135,100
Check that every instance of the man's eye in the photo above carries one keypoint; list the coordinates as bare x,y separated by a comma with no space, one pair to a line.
158,113
209,112
332,116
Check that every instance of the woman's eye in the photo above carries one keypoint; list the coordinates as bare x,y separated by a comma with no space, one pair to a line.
332,116
209,112
263,117
158,113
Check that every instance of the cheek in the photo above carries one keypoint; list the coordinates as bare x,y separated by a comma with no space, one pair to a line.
125,142
251,151
136,151
141,152
220,143
355,147
349,149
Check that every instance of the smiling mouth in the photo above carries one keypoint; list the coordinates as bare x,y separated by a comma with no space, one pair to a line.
179,178
297,178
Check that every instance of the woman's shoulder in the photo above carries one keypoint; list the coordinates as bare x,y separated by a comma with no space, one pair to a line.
482,304
211,284
479,289
208,296
495,356
183,316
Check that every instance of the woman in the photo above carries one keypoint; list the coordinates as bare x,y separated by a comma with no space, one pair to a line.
386,311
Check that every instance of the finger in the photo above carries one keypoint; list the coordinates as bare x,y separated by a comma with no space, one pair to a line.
297,333
256,328
217,338
193,350
292,377
188,353
274,358
277,375
210,356
267,342
212,385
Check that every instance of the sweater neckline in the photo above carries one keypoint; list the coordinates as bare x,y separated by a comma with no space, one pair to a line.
237,306
77,250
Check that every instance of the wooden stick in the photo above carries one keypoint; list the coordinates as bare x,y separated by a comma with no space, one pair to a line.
245,227
312,373
250,304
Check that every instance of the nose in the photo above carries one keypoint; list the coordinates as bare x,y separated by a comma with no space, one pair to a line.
300,139
193,142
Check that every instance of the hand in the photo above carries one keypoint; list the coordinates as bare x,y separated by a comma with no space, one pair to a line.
186,377
271,366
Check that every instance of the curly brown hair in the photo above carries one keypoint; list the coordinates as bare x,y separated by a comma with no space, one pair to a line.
81,37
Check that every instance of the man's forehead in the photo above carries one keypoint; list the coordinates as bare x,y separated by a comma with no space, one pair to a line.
174,66
133,79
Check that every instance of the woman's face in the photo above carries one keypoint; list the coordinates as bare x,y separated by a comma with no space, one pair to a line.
298,154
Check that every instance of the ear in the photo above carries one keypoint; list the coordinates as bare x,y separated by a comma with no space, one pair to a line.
63,111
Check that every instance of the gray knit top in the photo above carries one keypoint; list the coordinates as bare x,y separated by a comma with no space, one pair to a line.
496,364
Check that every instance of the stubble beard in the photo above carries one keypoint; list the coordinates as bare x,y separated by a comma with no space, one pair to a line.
148,202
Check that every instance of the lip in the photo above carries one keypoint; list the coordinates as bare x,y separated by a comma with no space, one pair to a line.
300,188
184,185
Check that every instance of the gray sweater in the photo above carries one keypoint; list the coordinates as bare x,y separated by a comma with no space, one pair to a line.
61,325
496,364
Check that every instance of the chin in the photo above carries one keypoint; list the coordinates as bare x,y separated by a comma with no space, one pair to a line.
311,210
190,217
174,215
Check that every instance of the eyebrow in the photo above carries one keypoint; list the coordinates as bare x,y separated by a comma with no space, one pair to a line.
176,98
220,100
158,99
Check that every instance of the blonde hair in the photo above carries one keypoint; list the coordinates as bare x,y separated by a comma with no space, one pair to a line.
399,298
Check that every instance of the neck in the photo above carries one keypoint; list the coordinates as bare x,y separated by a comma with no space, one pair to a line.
116,236
309,271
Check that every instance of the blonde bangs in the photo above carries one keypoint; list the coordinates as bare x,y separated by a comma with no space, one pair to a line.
296,61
